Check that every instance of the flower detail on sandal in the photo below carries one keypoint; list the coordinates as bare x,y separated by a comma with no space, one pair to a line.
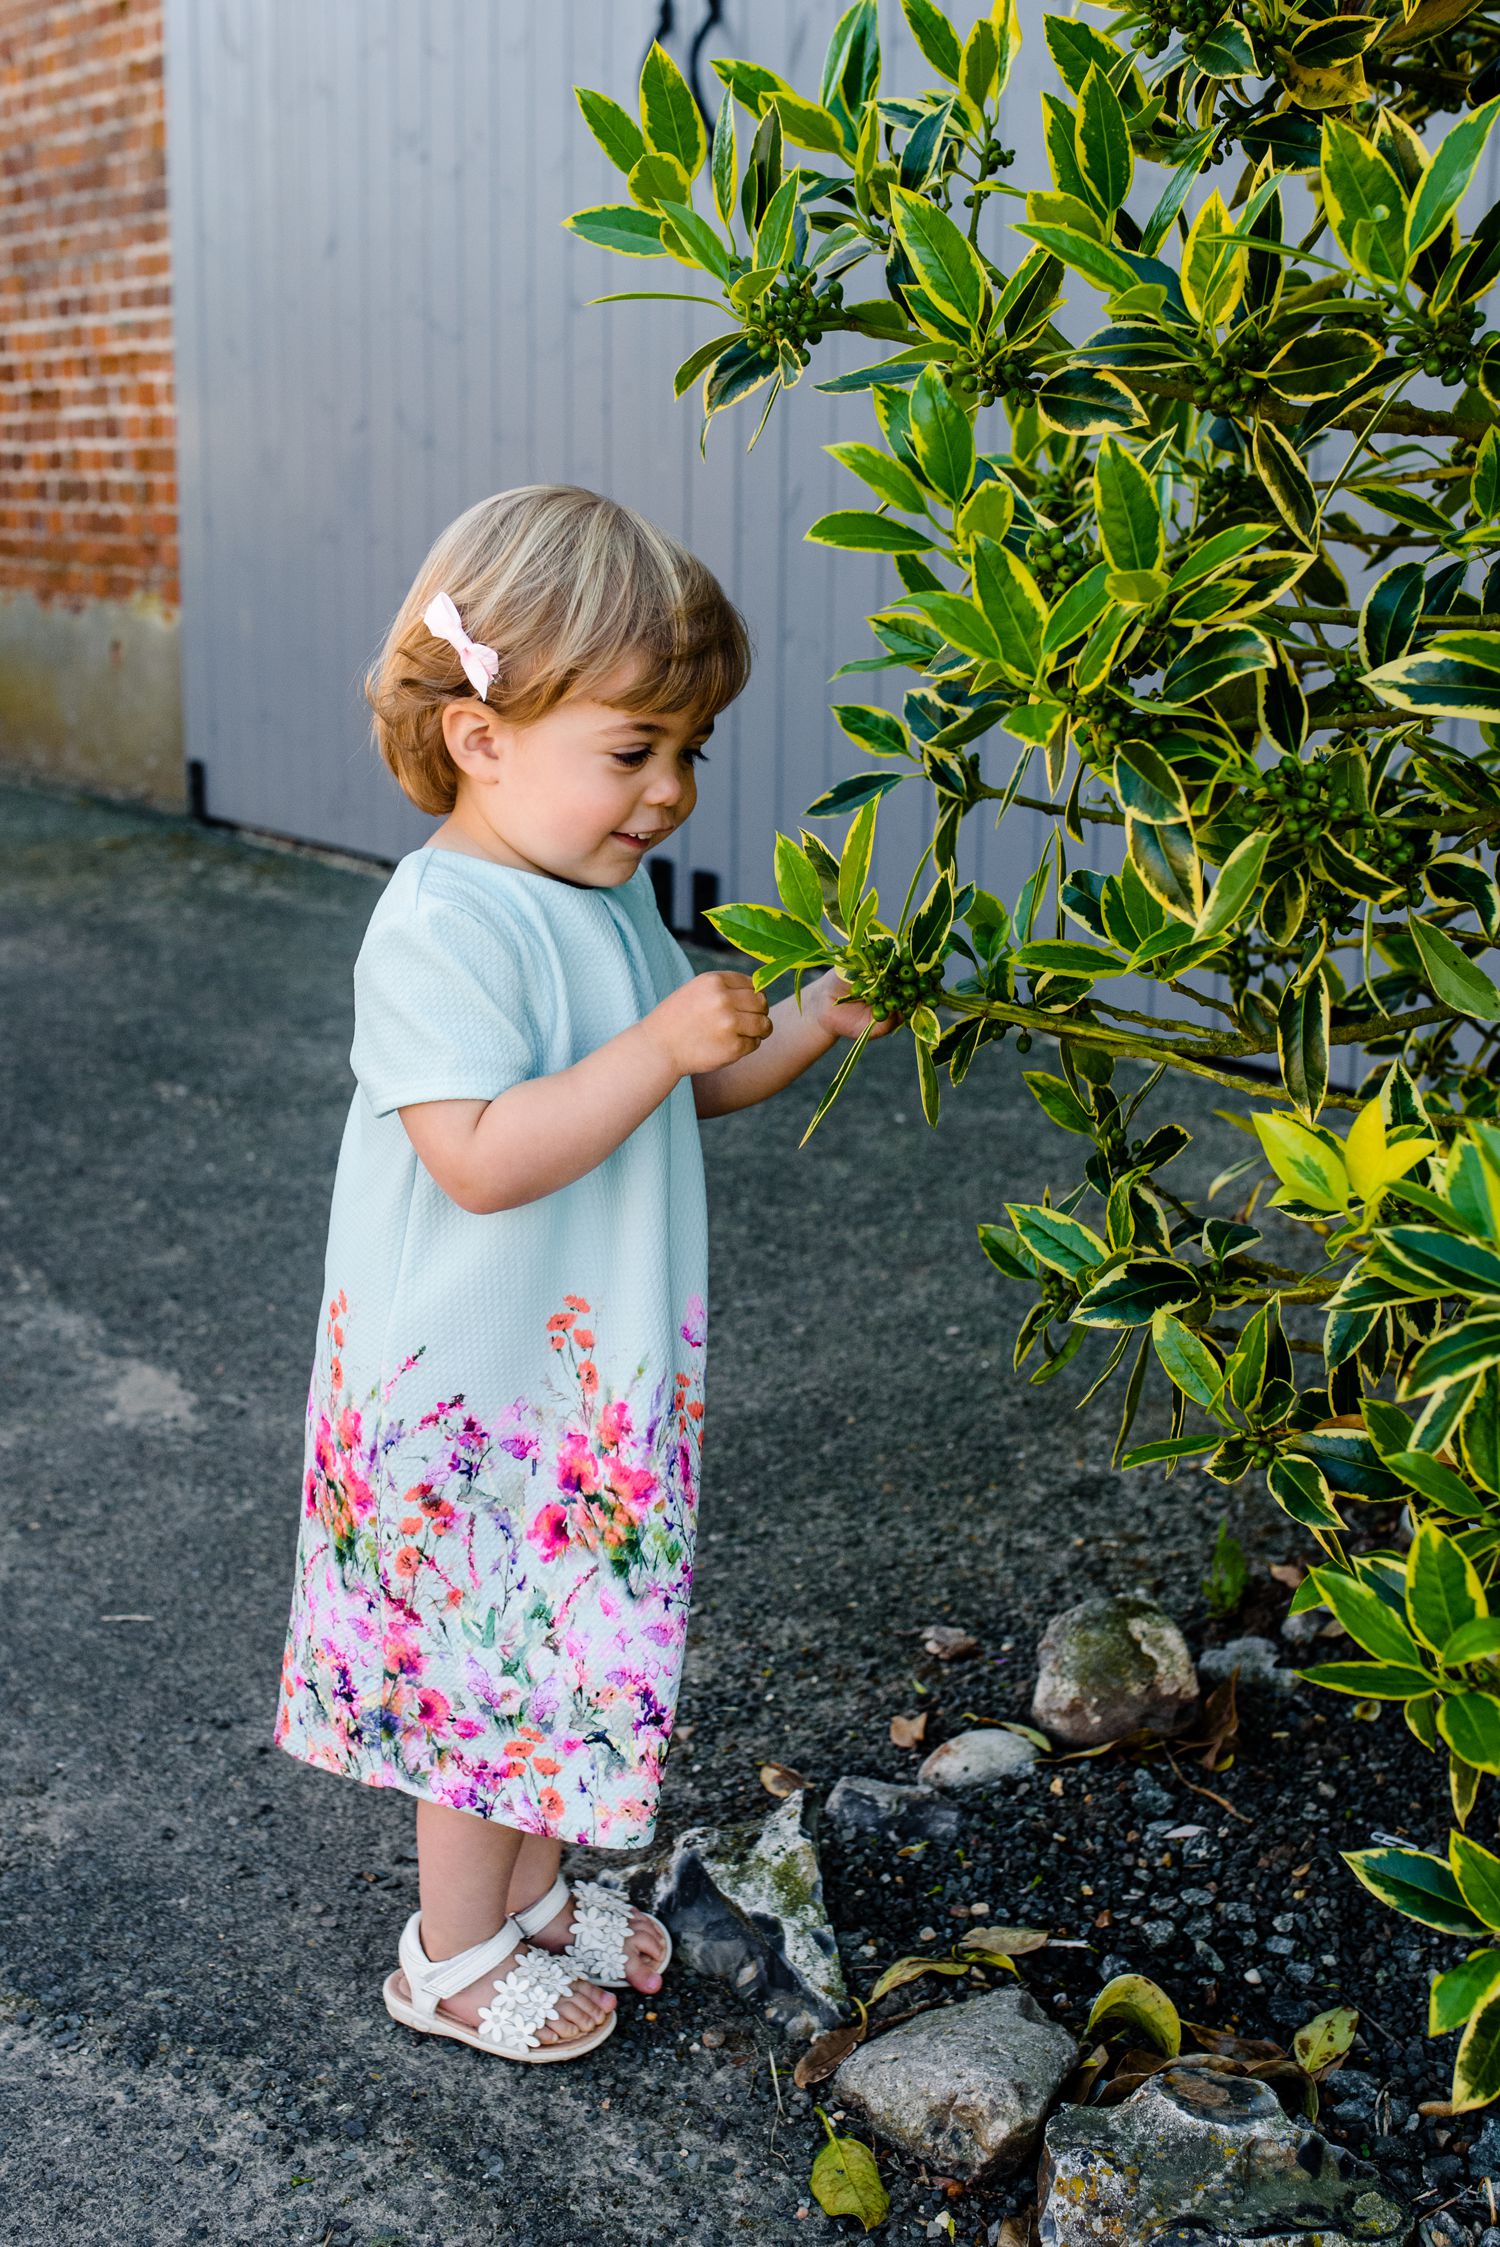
526,1998
601,1922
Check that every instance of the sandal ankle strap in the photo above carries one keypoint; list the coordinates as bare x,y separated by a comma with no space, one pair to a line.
431,1979
535,1916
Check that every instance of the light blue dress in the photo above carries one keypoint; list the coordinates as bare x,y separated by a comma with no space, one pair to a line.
505,1417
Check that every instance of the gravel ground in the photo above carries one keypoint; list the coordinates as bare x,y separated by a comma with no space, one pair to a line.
194,1928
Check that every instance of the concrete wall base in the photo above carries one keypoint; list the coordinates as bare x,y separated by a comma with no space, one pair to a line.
92,696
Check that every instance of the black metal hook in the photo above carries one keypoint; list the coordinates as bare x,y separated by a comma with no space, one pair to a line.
712,14
666,23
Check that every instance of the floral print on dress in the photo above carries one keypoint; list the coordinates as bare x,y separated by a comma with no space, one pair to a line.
493,1615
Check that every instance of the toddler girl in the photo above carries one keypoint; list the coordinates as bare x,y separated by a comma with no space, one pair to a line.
505,1417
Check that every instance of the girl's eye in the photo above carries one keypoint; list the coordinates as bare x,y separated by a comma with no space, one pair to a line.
635,757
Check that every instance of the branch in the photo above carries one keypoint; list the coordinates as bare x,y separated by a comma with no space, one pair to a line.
1178,1029
1481,620
1405,421
1059,811
1116,1041
1221,1044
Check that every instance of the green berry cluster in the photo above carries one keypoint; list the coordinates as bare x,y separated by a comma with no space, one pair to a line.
1194,19
1221,378
1229,488
1120,1152
1303,799
1099,723
991,156
792,312
886,977
1235,960
1056,562
1400,852
1307,803
1331,905
1442,344
985,372
1347,697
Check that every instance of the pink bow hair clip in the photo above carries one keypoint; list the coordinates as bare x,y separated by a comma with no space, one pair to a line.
480,664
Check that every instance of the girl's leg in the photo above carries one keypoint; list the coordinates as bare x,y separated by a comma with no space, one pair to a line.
533,1870
464,1866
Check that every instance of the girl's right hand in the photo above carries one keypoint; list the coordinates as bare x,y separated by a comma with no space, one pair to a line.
714,1019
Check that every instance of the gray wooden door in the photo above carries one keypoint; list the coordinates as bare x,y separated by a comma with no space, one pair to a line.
380,319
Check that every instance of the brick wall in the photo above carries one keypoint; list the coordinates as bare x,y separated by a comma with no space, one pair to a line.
88,492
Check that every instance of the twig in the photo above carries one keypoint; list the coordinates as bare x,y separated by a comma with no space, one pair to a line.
1482,620
1059,811
780,2114
1209,1795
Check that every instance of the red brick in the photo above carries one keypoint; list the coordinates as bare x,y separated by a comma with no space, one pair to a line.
87,402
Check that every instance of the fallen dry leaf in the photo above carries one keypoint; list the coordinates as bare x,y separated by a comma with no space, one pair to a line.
948,1642
1005,1942
1231,2047
1288,1572
825,2052
1214,1732
907,1731
780,1779
911,1968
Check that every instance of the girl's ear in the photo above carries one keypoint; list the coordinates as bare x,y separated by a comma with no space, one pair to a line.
471,738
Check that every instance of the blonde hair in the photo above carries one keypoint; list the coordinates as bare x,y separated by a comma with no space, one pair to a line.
565,586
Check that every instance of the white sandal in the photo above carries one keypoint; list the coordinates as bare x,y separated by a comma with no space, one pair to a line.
524,1999
601,1922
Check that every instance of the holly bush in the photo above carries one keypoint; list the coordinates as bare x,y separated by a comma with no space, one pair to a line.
1201,587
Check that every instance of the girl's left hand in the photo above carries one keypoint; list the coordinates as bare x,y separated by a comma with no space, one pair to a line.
842,1016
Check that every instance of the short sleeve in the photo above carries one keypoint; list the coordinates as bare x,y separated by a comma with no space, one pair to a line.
440,1009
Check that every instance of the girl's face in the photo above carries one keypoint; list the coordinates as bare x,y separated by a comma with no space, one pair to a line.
581,795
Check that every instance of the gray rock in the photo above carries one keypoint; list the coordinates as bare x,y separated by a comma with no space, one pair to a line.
963,2087
978,1759
1150,1796
906,1813
1107,1667
745,1906
1254,1659
1350,2095
1484,2154
1203,2154
1301,1630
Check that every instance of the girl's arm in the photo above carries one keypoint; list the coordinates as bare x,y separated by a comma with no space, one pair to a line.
798,1036
544,1132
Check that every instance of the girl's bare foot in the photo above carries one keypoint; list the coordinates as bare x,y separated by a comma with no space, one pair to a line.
533,1874
584,2007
